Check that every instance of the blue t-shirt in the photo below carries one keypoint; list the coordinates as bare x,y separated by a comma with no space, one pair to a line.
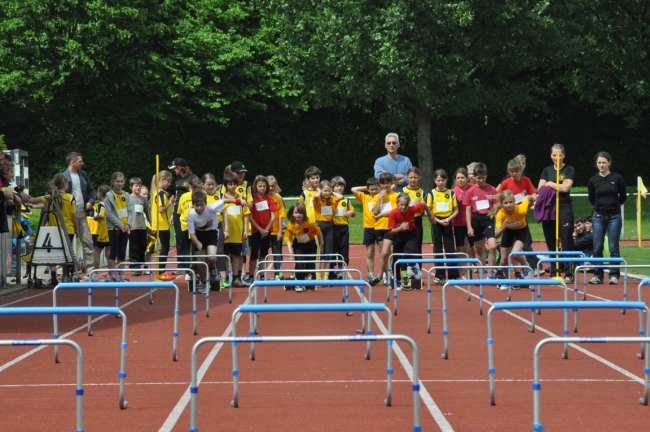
399,165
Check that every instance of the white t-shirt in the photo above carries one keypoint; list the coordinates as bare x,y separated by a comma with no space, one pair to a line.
205,221
76,191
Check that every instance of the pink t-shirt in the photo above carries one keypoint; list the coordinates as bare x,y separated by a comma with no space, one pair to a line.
460,219
481,199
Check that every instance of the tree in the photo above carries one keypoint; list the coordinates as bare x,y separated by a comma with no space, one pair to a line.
424,60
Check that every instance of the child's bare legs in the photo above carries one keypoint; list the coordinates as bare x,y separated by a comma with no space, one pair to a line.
386,246
480,252
370,259
212,261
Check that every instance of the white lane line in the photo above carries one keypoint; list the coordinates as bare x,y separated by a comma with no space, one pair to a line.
431,405
173,417
35,350
577,347
504,380
26,298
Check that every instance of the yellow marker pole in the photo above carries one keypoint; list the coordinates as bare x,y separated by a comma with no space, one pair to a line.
557,209
154,197
638,214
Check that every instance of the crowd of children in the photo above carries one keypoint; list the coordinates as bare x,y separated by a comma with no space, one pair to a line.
241,221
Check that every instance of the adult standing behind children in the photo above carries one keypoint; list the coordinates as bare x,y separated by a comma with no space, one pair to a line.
184,176
81,188
393,163
548,178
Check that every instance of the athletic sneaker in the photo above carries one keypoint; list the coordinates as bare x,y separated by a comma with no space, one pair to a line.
410,272
147,272
224,284
613,280
596,280
237,282
406,284
384,279
188,277
299,288
51,282
499,274
247,279
417,273
84,279
503,287
373,281
213,273
200,288
526,273
94,277
442,281
568,279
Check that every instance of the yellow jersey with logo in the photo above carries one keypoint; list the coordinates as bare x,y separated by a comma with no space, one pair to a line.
92,223
304,233
185,205
388,203
307,197
324,209
280,214
236,214
121,207
442,203
243,191
415,196
342,207
367,203
515,221
102,229
159,221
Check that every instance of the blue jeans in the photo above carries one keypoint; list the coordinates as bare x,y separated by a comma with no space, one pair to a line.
611,225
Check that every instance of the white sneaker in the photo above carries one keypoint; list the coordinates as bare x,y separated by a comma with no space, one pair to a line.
188,277
503,287
94,277
410,272
299,288
384,279
416,272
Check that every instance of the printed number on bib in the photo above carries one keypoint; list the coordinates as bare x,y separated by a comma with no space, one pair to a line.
482,205
303,238
442,206
262,205
326,210
234,210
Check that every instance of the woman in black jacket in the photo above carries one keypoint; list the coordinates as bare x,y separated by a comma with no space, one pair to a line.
607,195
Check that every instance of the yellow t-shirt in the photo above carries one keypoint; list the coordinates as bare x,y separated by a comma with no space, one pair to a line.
236,214
280,214
304,233
184,207
415,196
92,223
367,203
102,229
517,220
388,202
442,203
159,221
120,207
242,190
68,208
323,211
307,197
342,207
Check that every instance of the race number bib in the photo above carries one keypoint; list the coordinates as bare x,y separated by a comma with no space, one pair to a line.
482,205
340,211
442,206
139,208
514,224
234,210
519,198
326,210
122,213
413,202
370,205
302,238
262,205
386,207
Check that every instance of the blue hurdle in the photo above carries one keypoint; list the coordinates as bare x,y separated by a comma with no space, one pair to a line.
391,276
551,305
194,388
462,263
78,310
144,285
537,386
281,283
207,269
79,391
445,331
253,298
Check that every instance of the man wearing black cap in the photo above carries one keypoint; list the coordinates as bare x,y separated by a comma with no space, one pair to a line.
184,176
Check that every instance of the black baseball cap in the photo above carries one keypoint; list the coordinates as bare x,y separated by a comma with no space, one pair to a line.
180,162
237,167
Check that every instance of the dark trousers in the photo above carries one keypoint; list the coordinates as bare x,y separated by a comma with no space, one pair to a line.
118,241
566,237
182,241
221,262
164,237
327,230
404,243
137,246
444,235
259,246
305,249
341,243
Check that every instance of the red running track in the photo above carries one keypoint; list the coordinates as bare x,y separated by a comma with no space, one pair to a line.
326,386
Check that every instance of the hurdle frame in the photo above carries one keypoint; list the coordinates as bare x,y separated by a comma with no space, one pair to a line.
457,283
391,273
194,389
537,403
78,310
550,305
642,332
365,328
207,268
108,285
79,390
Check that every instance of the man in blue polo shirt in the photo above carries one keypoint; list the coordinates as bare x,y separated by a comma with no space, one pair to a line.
393,163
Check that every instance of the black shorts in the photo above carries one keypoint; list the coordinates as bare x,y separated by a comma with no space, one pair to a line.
382,235
483,226
208,238
101,245
510,236
232,249
95,237
369,237
460,234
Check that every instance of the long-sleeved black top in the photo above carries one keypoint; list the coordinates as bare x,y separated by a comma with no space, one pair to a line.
607,194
